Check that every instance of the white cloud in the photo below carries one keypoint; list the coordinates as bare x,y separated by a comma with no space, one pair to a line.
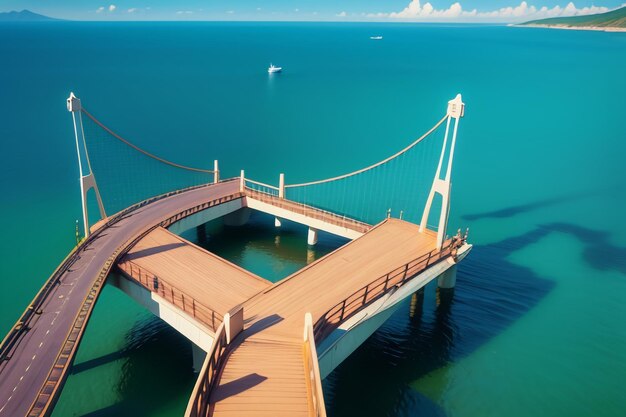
342,14
296,10
132,10
110,9
230,11
416,11
184,12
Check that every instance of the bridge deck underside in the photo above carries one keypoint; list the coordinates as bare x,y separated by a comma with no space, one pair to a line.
264,373
193,272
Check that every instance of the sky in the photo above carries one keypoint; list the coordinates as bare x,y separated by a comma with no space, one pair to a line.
496,11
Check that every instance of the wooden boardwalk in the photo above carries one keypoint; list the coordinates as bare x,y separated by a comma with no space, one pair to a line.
183,271
264,370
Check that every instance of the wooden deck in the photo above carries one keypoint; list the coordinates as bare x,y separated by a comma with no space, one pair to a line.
264,372
184,271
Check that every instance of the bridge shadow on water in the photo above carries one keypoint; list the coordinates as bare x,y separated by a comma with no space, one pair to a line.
491,294
156,371
512,211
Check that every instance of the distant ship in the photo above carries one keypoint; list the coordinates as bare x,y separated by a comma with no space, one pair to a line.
272,69
376,38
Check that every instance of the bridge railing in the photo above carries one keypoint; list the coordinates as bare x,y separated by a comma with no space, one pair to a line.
261,188
199,403
380,286
309,211
176,297
312,371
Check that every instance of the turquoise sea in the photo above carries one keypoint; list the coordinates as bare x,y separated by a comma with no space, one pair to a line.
536,324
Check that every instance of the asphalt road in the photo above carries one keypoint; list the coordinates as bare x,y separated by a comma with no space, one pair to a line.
24,374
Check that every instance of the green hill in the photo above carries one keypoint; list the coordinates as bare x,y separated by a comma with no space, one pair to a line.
613,19
23,16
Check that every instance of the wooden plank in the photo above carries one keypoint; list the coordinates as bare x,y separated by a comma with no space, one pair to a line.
197,274
265,373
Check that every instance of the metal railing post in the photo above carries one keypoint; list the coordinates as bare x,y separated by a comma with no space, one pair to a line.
343,309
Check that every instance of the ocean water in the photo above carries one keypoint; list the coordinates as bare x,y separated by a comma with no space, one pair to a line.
535,325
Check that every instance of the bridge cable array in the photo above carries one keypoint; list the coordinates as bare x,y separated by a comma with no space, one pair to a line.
397,185
137,148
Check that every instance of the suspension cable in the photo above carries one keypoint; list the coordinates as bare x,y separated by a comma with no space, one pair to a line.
350,174
165,161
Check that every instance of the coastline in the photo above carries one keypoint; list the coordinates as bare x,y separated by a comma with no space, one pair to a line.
594,28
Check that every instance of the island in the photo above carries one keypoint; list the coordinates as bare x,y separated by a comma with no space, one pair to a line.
613,21
24,16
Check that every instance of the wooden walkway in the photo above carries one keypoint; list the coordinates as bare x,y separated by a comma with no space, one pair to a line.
264,370
197,281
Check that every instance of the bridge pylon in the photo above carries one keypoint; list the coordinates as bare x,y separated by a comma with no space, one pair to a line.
442,186
87,180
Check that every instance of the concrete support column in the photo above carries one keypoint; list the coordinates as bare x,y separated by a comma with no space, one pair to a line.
242,182
448,278
201,233
312,236
198,356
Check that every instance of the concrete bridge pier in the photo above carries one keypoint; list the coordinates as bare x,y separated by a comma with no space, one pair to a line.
201,233
444,299
237,218
447,280
198,355
417,304
312,236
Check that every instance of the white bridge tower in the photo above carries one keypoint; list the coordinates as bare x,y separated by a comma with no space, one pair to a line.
442,186
88,180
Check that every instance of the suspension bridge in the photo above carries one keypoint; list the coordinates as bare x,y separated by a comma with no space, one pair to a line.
260,348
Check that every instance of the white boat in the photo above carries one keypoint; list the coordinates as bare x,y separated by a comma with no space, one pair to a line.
376,38
272,69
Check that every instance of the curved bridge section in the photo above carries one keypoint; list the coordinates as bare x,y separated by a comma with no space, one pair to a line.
36,354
